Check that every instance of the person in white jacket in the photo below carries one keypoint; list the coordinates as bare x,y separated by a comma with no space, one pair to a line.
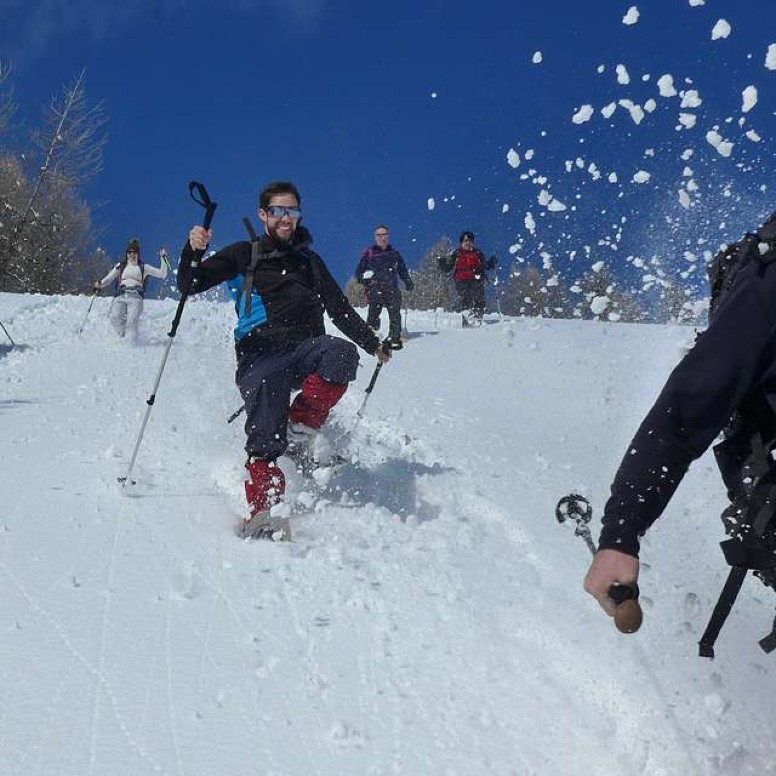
130,276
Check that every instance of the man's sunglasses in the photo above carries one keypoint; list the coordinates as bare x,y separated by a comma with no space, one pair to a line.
278,211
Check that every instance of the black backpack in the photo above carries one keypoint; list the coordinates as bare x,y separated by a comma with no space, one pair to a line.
745,458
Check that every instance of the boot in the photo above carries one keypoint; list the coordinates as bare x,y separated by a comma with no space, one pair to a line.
263,489
308,448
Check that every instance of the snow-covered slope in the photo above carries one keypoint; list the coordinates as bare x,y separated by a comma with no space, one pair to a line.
427,619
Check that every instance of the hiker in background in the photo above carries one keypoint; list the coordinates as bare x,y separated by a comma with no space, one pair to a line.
468,265
281,289
727,381
130,276
379,270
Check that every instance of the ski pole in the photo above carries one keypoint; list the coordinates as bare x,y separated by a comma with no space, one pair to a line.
627,614
369,389
13,344
210,209
236,414
86,317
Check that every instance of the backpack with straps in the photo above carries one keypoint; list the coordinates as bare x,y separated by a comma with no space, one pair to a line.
745,458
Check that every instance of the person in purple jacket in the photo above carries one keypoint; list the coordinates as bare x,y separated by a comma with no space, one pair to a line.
378,271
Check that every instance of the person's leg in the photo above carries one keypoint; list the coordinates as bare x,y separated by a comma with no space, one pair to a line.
374,311
265,384
394,318
478,302
325,365
134,309
118,315
465,295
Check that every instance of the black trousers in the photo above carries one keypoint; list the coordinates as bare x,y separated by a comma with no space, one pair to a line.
471,296
390,299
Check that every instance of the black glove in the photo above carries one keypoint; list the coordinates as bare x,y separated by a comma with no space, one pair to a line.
409,285
491,263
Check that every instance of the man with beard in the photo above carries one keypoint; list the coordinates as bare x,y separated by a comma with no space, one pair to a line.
281,288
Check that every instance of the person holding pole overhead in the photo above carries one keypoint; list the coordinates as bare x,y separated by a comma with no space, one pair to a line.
281,289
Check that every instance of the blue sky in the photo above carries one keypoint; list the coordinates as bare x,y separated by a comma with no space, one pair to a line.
372,109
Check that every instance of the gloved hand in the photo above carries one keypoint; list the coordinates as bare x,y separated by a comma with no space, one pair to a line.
491,263
97,286
409,285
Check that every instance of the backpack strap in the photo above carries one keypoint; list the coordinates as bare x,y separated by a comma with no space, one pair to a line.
255,257
745,553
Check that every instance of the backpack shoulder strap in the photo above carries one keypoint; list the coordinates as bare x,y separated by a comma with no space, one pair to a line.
745,552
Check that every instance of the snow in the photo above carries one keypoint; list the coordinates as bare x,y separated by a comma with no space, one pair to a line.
513,158
721,29
537,57
430,203
723,147
428,617
770,57
748,98
583,115
632,16
666,85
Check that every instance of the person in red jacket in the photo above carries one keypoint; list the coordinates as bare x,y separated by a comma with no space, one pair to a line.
468,264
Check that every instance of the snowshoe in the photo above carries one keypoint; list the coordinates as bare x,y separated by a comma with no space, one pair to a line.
265,527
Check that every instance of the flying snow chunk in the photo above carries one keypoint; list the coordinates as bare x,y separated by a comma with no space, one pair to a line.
505,208
697,2
721,30
583,115
599,304
612,177
749,97
597,267
724,147
666,86
770,57
433,95
684,199
431,204
608,110
537,57
530,224
691,99
642,176
688,120
632,16
753,136
636,112
623,77
513,158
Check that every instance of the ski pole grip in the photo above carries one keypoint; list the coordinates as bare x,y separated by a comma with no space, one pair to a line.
627,614
204,200
210,209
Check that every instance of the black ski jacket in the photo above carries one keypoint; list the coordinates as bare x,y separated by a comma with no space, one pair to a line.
732,363
291,289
